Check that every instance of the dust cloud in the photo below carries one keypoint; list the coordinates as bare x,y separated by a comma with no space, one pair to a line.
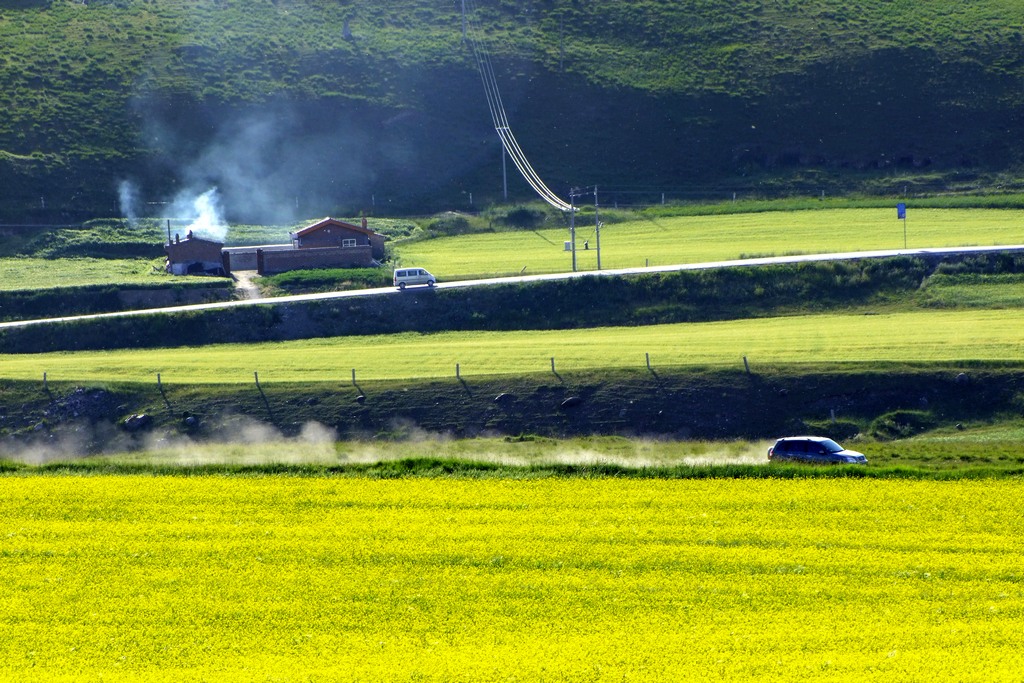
241,440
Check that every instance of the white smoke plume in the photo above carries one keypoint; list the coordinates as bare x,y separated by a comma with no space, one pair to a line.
204,213
271,165
128,200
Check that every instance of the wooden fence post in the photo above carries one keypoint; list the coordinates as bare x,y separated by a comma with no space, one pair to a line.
266,401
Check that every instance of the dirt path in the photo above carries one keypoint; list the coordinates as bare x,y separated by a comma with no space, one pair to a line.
244,285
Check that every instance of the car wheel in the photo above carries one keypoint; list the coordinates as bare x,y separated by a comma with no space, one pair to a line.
430,283
401,285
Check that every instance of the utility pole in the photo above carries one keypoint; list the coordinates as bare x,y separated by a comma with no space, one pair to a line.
572,225
463,20
597,229
901,213
504,170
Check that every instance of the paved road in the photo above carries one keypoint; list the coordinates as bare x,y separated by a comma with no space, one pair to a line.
771,260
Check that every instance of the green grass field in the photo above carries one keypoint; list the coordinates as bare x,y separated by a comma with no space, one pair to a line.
940,336
36,273
149,578
695,239
973,290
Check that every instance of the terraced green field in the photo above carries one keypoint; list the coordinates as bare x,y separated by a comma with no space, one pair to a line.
696,239
36,273
961,291
911,336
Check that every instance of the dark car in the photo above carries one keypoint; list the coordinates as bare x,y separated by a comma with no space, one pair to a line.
813,449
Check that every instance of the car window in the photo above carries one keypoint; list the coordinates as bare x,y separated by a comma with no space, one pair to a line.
831,446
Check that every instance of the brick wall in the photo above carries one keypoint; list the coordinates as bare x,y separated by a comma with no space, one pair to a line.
270,262
193,250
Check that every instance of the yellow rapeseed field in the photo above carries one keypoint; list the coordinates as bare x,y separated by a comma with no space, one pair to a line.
115,578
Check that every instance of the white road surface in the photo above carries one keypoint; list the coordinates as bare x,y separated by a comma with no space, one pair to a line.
739,263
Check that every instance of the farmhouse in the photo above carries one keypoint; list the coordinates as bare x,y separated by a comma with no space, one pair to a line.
194,256
328,243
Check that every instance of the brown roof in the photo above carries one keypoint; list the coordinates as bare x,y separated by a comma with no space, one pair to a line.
327,222
193,239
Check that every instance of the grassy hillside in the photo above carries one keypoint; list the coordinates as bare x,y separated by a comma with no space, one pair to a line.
648,95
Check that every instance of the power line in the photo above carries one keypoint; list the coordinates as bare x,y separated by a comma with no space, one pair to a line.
497,109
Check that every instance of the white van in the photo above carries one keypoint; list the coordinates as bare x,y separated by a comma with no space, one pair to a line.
413,276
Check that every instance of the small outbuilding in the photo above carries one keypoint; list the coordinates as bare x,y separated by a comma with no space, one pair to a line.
194,256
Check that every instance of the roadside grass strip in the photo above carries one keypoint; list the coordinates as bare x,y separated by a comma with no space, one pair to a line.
913,336
695,239
149,578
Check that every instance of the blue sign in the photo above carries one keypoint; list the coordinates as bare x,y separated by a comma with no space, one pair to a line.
901,211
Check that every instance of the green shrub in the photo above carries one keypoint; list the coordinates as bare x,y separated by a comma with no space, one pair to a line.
989,264
900,424
105,238
449,224
328,279
524,217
